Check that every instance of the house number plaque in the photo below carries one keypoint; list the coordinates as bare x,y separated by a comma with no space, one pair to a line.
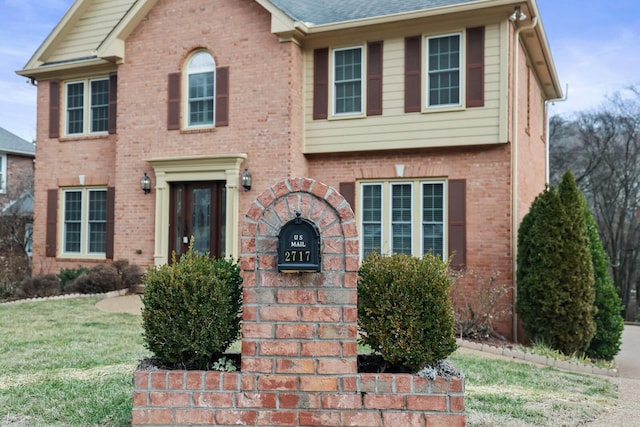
299,246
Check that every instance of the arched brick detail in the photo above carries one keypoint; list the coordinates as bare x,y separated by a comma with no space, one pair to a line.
308,318
299,340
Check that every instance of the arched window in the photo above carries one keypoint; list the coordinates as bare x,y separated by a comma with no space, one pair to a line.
201,89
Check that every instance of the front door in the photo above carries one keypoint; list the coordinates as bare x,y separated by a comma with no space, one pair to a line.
198,212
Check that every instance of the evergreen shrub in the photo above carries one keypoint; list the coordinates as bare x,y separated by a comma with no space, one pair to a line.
404,310
68,275
609,321
100,279
191,311
555,273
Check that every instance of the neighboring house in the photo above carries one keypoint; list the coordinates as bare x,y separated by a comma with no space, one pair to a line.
427,115
16,192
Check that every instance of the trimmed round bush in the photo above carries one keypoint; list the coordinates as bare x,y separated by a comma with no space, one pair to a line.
192,310
404,310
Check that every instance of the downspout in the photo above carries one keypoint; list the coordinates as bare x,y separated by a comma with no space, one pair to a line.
547,126
514,167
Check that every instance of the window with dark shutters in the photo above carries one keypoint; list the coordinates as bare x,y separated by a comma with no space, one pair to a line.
113,102
412,74
173,101
374,78
52,219
320,83
475,67
54,109
457,223
222,96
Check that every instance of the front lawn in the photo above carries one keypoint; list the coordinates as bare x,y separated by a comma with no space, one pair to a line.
65,363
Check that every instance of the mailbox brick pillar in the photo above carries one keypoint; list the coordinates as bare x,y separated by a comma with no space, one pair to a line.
299,330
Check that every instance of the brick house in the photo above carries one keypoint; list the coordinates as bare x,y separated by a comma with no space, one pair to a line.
427,115
16,193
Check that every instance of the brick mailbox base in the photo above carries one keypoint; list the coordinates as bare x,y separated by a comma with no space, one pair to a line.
299,338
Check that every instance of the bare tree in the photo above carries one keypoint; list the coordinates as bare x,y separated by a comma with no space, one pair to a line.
602,149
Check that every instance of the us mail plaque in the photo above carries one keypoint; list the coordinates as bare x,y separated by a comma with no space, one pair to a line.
299,246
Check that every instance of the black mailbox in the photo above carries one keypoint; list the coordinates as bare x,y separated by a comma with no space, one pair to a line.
299,246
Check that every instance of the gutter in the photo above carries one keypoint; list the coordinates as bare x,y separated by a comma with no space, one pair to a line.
514,168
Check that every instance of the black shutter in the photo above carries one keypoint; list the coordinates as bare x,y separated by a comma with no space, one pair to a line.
113,102
374,78
110,225
54,109
412,74
51,233
348,191
320,83
173,101
457,223
475,67
222,96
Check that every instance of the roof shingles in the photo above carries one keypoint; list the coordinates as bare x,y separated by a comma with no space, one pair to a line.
10,143
314,12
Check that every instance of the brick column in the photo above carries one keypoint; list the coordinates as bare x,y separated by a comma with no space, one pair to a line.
299,329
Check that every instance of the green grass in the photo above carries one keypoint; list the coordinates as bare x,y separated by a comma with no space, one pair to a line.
65,363
508,393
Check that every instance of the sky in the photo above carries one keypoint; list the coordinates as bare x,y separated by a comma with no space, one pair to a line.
595,45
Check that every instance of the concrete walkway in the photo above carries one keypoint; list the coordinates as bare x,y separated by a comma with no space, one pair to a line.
627,411
625,414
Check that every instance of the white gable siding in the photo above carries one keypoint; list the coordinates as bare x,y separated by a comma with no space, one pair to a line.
95,24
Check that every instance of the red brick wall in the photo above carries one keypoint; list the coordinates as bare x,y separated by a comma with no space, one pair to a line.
299,333
488,216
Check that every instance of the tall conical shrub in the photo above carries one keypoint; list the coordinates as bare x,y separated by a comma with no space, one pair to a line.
555,274
609,321
578,267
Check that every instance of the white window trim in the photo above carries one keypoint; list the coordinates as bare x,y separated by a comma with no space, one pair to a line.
390,206
461,73
445,216
360,209
363,89
3,173
417,218
86,108
84,225
186,105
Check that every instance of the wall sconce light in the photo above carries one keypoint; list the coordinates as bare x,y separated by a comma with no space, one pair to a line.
517,15
245,180
145,183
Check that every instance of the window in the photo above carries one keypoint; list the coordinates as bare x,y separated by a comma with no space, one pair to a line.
87,107
347,77
3,173
444,72
201,89
415,212
85,221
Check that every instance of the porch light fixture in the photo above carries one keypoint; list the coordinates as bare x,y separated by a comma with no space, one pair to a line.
245,180
517,15
145,183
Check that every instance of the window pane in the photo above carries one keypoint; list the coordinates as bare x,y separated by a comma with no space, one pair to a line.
444,70
401,229
201,89
201,99
97,221
201,219
72,220
348,80
371,218
433,218
99,105
75,108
